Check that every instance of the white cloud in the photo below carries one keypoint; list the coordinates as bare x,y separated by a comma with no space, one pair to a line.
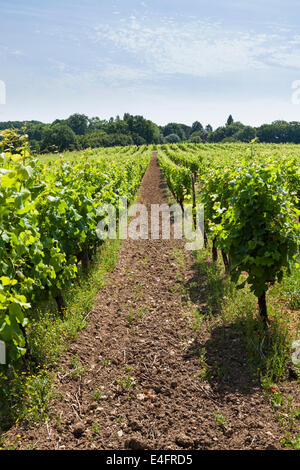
287,59
7,51
197,48
122,72
58,66
107,75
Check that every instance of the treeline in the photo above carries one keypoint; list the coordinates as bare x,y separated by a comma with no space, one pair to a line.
278,132
79,132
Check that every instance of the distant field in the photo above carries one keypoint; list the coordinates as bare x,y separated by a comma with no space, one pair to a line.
222,153
95,154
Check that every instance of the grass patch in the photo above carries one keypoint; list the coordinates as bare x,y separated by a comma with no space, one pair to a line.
25,394
233,313
268,350
289,289
48,333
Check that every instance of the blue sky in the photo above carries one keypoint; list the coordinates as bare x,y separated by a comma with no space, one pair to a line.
169,60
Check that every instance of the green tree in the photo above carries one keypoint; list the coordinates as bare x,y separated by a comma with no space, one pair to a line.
172,138
229,120
101,139
196,139
174,128
78,123
277,132
294,132
216,136
143,127
36,131
196,126
246,134
232,129
59,137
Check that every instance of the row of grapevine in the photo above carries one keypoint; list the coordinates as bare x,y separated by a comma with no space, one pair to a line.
178,177
251,215
48,220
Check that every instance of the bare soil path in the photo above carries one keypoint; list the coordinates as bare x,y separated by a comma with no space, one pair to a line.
133,378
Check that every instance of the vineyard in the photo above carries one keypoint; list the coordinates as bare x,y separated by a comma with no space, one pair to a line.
48,225
252,207
153,333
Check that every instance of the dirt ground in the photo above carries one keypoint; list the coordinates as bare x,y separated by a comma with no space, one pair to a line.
133,380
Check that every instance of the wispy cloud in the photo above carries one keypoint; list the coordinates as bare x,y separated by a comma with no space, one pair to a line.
6,51
122,72
286,58
198,48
